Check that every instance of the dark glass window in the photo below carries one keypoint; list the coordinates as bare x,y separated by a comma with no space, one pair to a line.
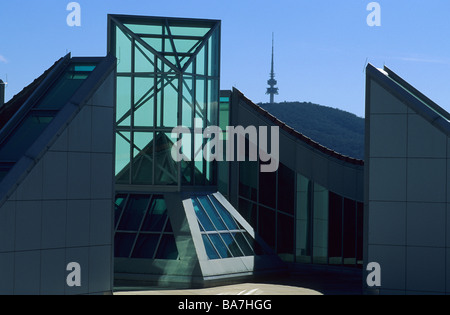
134,212
335,229
248,210
123,242
145,246
349,231
266,225
285,236
167,248
268,188
286,189
156,216
359,233
248,178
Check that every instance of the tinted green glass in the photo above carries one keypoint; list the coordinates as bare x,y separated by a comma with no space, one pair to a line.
223,250
123,51
170,106
226,216
123,101
212,213
144,60
231,244
122,154
144,101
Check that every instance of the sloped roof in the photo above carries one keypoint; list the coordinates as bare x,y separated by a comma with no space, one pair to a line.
297,134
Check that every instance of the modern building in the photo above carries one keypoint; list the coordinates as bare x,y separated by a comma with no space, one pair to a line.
92,173
407,173
56,182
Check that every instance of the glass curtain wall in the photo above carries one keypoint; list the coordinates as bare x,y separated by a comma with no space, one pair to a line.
167,76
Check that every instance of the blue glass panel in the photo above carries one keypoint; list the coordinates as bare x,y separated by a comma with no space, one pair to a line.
213,215
134,212
226,216
123,243
167,248
220,246
232,245
256,247
210,251
202,217
145,246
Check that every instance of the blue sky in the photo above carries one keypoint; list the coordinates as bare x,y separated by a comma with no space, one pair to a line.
321,46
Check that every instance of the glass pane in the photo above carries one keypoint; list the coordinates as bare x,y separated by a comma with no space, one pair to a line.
224,114
220,246
254,244
145,29
123,101
359,232
201,62
156,216
144,102
189,31
213,50
232,245
143,158
268,188
243,244
123,51
335,229
285,237
248,179
210,251
304,213
155,43
202,217
122,157
123,243
23,137
118,207
286,189
63,90
134,212
144,60
167,248
266,225
320,228
170,109
248,210
213,102
166,169
145,246
213,215
349,231
200,107
226,216
188,102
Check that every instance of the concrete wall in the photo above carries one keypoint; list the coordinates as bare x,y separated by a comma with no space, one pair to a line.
407,199
62,209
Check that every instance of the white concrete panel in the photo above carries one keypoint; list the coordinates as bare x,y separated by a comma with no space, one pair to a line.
54,216
55,175
28,225
79,131
53,271
7,273
427,180
383,102
27,273
101,218
387,223
387,179
7,226
425,269
388,135
392,263
79,176
424,139
100,269
426,224
31,187
78,223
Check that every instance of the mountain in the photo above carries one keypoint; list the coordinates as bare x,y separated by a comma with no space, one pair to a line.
333,128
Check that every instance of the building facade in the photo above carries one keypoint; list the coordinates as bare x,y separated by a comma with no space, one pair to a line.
406,183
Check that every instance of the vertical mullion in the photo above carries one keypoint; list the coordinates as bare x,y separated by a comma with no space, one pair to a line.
140,226
133,78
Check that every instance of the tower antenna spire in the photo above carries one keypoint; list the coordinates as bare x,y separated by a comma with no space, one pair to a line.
272,90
